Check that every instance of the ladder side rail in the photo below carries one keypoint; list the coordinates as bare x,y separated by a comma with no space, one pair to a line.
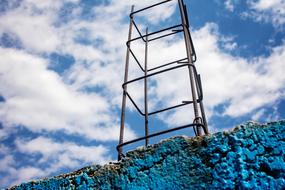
145,88
122,126
189,51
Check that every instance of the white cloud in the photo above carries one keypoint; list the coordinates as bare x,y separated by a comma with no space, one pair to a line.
41,100
229,5
28,173
34,94
60,151
34,31
6,162
236,89
241,85
269,11
274,115
6,166
34,24
158,14
246,84
276,5
48,4
3,134
54,156
260,113
228,43
118,10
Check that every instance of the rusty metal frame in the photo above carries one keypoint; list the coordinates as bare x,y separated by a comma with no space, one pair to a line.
199,122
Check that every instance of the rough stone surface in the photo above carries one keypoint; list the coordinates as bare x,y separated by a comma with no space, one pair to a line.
251,156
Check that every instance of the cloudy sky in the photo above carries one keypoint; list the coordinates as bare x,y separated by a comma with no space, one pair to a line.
61,71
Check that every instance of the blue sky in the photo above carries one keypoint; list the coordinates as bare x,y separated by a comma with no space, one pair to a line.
61,70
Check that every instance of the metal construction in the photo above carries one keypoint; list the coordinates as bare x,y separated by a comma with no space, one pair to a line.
199,122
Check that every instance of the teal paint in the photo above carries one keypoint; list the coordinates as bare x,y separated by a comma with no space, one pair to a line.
249,157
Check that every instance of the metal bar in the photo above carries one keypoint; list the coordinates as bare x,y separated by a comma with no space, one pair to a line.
172,107
136,106
149,75
150,34
187,24
205,127
195,132
199,123
142,37
158,133
122,128
136,27
179,30
161,110
165,35
140,10
140,66
186,15
136,59
194,58
145,89
167,64
189,54
199,87
161,71
206,131
183,62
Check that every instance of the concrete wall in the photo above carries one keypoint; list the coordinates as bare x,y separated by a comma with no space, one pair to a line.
249,157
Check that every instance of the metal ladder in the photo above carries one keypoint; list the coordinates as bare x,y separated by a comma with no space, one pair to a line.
199,121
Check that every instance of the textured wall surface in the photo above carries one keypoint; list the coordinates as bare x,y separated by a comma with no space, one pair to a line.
249,157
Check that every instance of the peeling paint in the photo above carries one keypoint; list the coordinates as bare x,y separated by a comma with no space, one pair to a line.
251,156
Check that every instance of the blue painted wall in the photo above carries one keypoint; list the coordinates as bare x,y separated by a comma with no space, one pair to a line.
249,157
